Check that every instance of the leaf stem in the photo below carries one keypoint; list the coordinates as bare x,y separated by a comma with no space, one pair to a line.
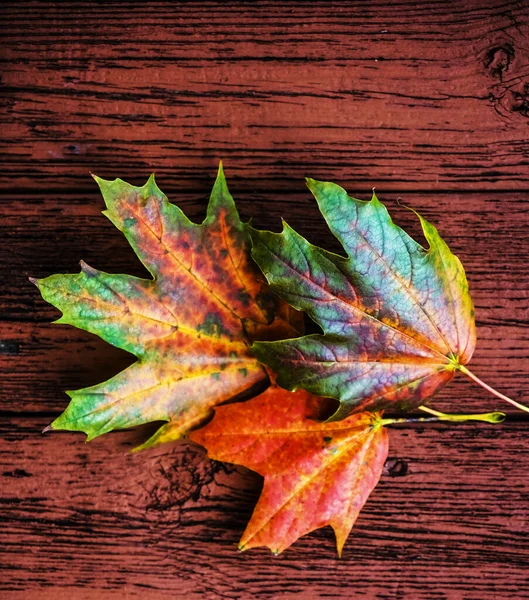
494,417
468,373
396,421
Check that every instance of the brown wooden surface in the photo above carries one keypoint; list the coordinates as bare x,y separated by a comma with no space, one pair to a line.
427,102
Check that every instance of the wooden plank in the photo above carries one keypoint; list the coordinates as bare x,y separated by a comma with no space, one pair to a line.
165,523
397,94
415,99
51,233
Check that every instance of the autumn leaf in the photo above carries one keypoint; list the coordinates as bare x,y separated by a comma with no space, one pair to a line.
315,473
397,318
190,326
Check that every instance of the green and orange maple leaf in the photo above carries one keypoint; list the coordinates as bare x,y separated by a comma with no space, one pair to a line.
315,473
397,318
190,326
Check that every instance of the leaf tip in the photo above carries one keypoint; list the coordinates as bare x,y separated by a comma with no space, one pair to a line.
312,184
220,186
34,281
341,538
87,269
220,197
100,182
497,417
284,225
48,428
106,188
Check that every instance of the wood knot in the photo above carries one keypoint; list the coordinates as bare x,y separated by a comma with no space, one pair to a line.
518,99
509,93
177,478
498,60
173,480
396,467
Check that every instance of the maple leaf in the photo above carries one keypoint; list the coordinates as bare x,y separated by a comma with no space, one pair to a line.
190,327
397,318
315,473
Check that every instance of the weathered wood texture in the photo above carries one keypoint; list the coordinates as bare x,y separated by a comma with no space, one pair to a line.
446,521
428,102
386,93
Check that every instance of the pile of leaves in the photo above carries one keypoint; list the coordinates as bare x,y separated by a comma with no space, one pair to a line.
209,330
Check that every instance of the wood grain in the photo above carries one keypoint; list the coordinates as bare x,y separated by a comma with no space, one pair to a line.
399,94
166,522
427,102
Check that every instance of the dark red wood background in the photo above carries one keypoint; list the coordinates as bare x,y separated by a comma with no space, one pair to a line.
428,101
